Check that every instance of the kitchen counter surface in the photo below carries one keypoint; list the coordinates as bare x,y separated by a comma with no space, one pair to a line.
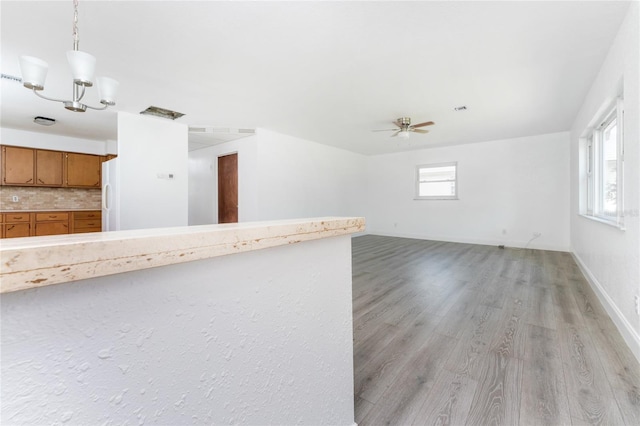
40,261
47,210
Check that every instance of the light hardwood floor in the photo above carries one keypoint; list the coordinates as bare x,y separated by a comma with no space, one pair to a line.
457,334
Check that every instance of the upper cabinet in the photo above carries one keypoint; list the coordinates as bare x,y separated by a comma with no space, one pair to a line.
39,167
18,166
49,168
83,170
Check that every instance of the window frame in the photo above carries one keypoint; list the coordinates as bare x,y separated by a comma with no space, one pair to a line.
593,192
436,197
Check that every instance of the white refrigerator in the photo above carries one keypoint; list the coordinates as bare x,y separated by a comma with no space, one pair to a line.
110,196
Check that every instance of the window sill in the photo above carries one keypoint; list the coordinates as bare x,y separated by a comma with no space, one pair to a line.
603,221
435,198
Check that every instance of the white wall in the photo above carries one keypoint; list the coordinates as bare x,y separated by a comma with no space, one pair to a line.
507,190
299,178
610,257
39,140
148,146
262,337
280,177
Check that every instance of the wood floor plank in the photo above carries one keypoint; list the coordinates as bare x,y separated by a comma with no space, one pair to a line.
448,401
496,400
542,312
448,333
621,368
406,393
474,343
544,393
590,396
373,377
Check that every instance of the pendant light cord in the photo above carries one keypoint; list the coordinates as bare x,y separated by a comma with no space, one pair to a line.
76,38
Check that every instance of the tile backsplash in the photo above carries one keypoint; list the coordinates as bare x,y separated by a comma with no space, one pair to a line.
39,198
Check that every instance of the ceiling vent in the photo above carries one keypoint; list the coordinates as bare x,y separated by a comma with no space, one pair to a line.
44,121
161,112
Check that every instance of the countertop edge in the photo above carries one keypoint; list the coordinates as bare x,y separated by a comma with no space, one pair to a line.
41,261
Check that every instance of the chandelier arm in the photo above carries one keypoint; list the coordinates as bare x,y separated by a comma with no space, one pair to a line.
97,108
77,96
47,98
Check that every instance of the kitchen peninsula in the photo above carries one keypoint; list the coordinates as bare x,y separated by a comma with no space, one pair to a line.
235,323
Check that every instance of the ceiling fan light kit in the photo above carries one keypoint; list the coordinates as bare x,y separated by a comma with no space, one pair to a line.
404,127
82,64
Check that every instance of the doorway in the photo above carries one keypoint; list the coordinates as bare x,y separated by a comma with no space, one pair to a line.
228,188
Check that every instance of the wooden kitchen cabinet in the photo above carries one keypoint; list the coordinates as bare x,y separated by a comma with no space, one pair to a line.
26,224
86,221
83,170
41,167
49,168
18,166
51,223
15,225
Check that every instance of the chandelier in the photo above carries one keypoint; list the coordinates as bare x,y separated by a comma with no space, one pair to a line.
34,72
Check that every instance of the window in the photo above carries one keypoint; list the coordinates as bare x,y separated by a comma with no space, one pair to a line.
604,155
437,181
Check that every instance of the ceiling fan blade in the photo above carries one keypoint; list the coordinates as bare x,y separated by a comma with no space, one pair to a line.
419,130
426,123
395,134
385,130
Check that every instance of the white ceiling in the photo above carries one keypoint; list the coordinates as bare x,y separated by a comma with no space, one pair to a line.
324,71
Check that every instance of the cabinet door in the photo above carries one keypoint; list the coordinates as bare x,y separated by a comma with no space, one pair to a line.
51,228
18,166
15,230
49,168
83,170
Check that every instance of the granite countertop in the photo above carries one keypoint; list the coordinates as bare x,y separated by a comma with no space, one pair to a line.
40,261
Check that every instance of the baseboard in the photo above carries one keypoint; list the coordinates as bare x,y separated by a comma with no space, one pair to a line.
629,335
506,243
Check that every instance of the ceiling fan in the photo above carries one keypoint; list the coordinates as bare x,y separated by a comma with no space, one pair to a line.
405,126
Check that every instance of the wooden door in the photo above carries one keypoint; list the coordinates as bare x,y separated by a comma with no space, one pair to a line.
83,170
228,188
49,168
18,166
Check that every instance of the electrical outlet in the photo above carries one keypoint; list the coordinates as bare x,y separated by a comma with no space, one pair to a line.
637,299
15,198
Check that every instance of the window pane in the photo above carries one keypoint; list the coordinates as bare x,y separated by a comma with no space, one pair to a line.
431,174
437,189
609,169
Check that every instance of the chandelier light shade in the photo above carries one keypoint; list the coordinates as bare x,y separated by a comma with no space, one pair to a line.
82,64
34,72
107,89
403,134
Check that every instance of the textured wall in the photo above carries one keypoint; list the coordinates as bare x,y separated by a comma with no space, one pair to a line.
256,338
31,198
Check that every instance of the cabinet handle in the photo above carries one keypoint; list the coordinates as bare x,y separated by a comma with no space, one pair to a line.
29,180
52,216
11,227
40,180
90,215
17,217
